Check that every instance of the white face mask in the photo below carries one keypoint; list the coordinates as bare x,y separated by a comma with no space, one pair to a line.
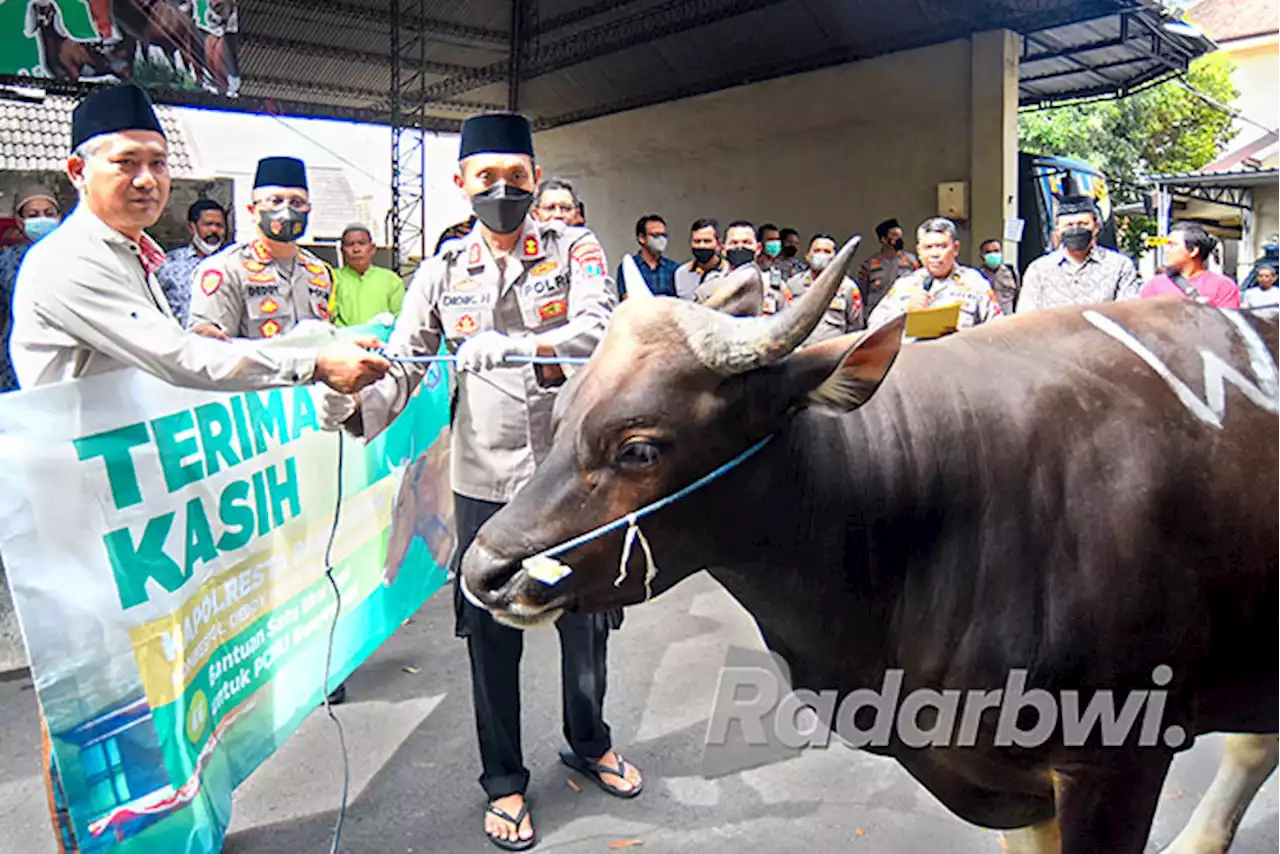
205,248
657,245
819,260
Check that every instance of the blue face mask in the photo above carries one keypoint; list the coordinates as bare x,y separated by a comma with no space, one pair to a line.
772,248
993,259
39,226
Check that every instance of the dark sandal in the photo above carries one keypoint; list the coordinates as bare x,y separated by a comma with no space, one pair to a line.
516,844
593,770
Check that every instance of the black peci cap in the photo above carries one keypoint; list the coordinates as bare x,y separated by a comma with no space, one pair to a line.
111,110
496,133
280,172
1069,205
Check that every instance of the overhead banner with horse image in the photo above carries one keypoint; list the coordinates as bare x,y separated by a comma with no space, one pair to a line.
166,553
160,44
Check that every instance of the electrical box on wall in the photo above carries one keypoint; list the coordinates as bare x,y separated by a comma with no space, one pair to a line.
953,200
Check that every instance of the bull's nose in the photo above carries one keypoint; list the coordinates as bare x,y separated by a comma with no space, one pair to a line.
484,577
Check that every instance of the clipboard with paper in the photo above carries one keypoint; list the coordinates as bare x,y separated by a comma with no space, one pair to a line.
932,322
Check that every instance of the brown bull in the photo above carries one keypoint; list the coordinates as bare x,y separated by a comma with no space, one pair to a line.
1085,494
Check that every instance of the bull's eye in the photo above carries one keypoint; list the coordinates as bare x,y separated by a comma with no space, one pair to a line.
637,453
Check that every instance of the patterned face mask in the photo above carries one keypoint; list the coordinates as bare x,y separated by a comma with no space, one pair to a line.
285,225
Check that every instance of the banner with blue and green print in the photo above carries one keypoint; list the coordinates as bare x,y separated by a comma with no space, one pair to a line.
166,553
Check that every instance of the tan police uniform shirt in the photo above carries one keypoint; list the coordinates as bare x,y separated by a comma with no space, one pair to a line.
85,303
844,312
555,286
246,293
964,285
877,275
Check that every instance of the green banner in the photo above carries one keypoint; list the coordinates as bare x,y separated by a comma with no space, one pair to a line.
166,552
163,44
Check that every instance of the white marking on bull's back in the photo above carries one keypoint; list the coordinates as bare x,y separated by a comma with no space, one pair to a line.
1265,393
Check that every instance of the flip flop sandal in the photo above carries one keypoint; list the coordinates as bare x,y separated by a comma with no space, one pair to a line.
516,844
592,770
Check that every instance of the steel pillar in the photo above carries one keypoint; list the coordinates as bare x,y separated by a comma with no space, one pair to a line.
408,129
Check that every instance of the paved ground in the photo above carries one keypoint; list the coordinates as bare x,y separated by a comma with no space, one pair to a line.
413,760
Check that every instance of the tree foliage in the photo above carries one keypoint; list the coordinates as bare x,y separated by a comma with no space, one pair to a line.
1163,129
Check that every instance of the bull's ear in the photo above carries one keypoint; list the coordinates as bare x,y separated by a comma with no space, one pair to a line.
843,373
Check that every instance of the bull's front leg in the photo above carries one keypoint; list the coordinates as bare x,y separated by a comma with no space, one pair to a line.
1106,807
1247,761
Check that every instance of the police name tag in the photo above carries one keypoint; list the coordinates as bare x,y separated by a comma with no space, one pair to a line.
478,300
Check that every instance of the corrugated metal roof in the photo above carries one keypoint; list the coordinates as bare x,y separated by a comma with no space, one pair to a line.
37,136
582,58
1229,178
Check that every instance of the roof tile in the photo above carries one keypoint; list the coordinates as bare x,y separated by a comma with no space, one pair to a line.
37,136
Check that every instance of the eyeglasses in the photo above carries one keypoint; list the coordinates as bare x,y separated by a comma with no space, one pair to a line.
274,203
557,208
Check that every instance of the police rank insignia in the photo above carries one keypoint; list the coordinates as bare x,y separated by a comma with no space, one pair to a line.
315,269
269,328
210,282
531,247
268,306
321,282
466,325
554,308
254,266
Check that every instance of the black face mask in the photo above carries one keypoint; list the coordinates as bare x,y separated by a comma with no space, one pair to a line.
703,256
788,251
897,245
285,225
1077,238
738,257
502,208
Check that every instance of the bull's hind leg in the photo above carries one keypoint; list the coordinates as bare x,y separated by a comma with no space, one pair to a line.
1106,807
1247,761
1039,839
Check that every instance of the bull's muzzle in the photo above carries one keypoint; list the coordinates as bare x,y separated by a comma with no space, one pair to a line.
498,586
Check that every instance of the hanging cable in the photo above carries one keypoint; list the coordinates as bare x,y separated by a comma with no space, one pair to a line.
1181,80
337,592
328,656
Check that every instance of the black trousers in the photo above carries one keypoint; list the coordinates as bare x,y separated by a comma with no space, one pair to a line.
495,652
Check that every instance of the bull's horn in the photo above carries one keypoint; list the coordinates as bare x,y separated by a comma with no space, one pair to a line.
635,283
735,345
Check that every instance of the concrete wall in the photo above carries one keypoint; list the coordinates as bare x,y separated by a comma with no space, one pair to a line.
834,150
1257,62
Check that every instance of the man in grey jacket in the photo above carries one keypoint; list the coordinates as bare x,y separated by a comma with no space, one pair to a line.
87,300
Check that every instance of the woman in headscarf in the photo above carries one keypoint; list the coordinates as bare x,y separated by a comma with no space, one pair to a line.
36,208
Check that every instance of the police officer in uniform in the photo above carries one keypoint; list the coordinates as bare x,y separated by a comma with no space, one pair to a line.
87,300
512,288
878,273
844,313
263,288
941,281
